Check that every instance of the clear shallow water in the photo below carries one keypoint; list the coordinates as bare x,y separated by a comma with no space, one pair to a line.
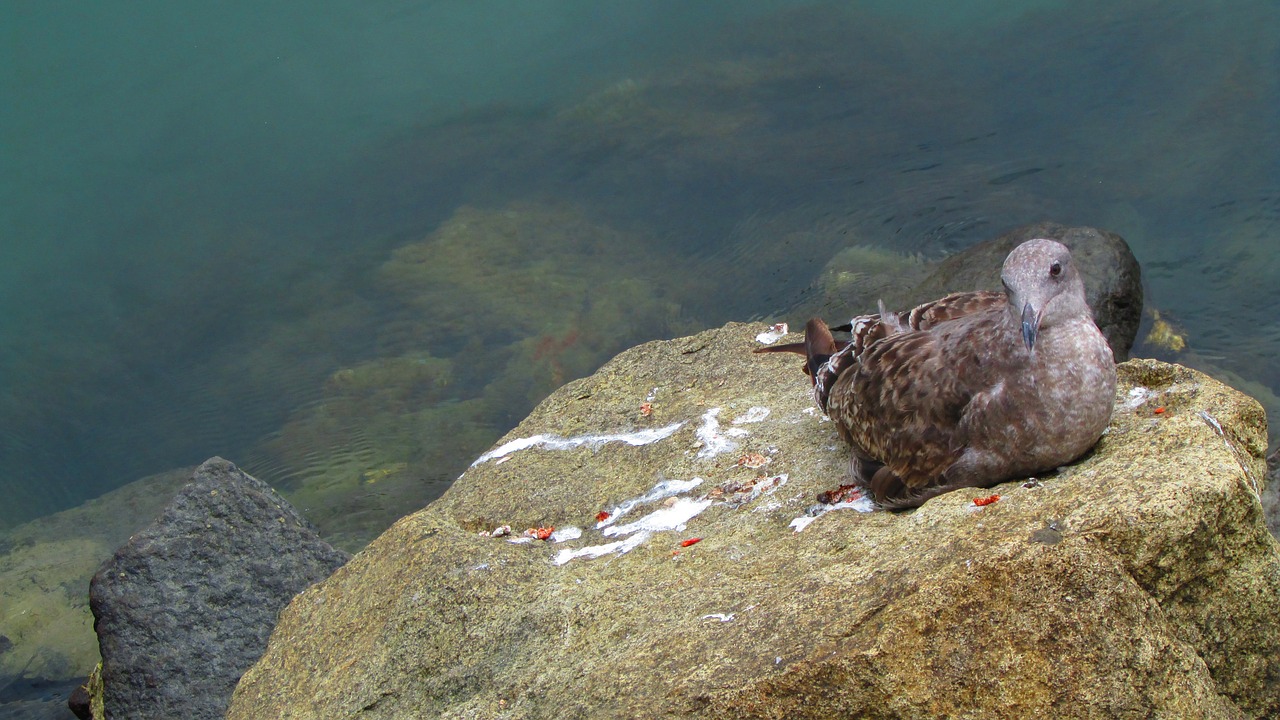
206,213
349,246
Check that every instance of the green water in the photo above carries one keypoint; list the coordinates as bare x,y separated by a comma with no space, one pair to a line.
348,245
181,183
199,202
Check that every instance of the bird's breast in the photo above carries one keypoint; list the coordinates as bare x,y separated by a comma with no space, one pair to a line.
1072,388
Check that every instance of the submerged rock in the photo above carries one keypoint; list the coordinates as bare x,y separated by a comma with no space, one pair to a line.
186,605
46,629
689,573
391,432
545,278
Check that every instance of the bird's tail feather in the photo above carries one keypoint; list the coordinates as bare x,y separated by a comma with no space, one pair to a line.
819,345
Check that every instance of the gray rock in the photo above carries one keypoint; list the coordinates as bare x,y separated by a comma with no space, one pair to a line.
1137,582
1112,277
186,606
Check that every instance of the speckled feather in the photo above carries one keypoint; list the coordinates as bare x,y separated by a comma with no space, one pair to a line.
866,330
972,389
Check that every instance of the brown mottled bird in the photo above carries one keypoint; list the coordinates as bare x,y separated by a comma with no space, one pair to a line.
969,390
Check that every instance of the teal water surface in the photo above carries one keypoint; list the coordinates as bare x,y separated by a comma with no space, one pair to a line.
243,230
348,245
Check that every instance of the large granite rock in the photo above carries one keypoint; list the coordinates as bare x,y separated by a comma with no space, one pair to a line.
185,606
1138,582
1271,498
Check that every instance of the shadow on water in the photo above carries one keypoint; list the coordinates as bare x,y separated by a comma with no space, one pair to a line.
24,698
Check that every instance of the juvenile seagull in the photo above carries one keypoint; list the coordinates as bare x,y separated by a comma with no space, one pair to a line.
969,390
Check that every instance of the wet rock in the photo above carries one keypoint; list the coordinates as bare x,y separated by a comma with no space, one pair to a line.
1139,581
186,605
86,700
80,703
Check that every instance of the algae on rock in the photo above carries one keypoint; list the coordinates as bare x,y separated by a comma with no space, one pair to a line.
380,439
45,568
531,270
560,293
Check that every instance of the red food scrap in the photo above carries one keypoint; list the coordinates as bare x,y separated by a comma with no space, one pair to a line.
602,516
646,409
985,500
540,533
844,493
1159,410
691,541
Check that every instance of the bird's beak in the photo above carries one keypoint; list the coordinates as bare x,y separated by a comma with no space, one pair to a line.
1030,326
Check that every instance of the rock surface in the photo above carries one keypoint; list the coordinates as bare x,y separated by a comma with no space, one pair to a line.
1138,582
1270,497
186,605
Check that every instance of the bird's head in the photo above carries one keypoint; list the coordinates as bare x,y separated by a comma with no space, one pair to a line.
1043,285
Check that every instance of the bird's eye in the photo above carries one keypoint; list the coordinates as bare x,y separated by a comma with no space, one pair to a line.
1055,269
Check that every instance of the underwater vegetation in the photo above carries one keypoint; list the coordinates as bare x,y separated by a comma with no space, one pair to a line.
478,261
807,164
489,313
529,269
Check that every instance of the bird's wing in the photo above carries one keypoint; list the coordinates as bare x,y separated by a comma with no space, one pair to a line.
828,359
904,402
952,307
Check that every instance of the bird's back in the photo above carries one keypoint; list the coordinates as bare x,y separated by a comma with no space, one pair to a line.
904,403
